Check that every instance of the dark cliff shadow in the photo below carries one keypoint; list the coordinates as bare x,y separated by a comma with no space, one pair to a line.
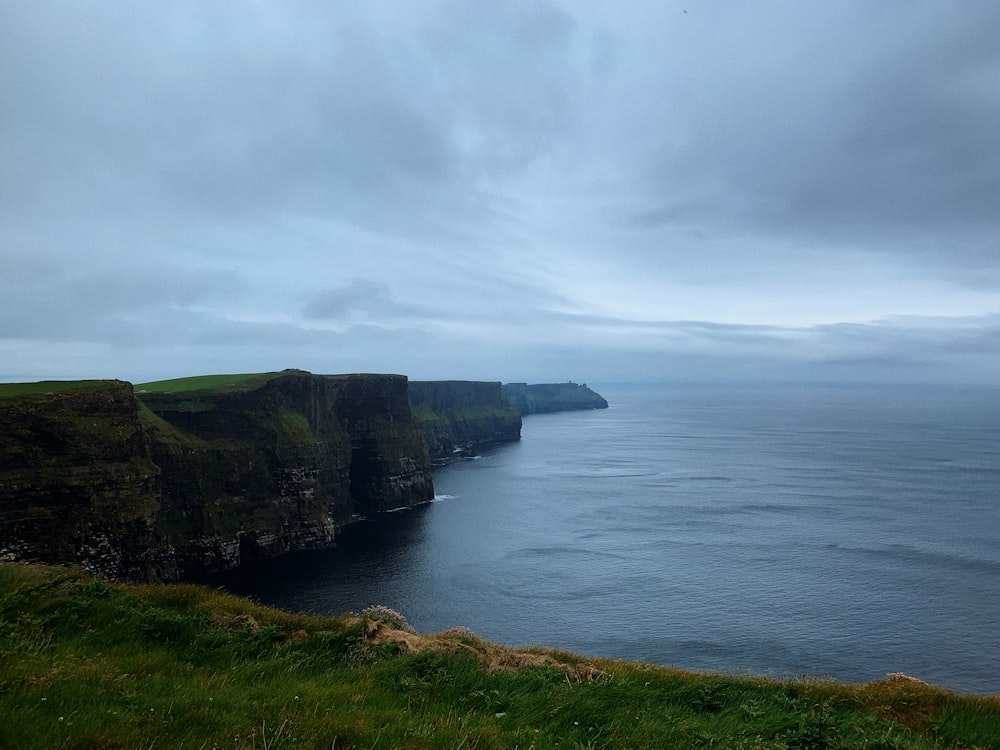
332,581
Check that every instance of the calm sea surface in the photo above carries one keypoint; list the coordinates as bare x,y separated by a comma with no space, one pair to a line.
833,531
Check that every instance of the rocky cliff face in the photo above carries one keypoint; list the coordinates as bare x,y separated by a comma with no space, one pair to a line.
179,484
460,416
77,483
550,397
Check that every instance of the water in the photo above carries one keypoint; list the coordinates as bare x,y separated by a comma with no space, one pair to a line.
839,532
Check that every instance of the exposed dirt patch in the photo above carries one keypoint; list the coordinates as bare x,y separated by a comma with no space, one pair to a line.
494,658
904,679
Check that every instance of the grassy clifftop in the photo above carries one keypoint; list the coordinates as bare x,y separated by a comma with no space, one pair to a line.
87,664
214,383
45,388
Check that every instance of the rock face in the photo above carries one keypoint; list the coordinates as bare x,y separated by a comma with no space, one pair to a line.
77,483
550,397
460,416
174,485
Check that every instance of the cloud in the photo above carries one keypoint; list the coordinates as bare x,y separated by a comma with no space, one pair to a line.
41,299
359,299
840,130
548,188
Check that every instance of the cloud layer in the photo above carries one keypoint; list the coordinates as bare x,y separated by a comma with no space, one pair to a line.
511,190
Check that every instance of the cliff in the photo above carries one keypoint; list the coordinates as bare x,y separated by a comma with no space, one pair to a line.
198,475
77,482
550,397
182,478
459,416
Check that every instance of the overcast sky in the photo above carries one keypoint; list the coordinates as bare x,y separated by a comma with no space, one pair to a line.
500,190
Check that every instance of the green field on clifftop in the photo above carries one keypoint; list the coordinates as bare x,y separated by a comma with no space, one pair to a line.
217,383
47,387
88,664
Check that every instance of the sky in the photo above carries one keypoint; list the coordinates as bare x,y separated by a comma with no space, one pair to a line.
508,190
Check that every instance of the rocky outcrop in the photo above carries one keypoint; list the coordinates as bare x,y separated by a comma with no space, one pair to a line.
550,397
176,484
459,417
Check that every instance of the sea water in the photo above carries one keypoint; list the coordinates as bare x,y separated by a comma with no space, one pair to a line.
844,532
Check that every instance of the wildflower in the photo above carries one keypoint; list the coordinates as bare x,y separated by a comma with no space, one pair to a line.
381,613
458,630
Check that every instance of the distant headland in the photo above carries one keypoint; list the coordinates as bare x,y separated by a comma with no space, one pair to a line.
551,397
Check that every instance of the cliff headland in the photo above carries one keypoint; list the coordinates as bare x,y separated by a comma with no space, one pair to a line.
183,478
549,397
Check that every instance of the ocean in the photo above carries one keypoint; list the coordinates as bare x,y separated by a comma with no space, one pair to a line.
831,531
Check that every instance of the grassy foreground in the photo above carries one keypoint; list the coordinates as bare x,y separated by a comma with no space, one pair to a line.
87,664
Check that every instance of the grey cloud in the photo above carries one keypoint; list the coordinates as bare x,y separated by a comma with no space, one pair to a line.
187,105
124,108
359,298
507,77
901,348
864,136
46,301
501,189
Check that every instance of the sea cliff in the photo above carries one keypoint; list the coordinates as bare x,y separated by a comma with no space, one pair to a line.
77,480
460,416
549,397
182,478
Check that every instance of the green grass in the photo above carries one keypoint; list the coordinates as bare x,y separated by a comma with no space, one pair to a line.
166,432
215,383
47,387
425,414
87,664
294,427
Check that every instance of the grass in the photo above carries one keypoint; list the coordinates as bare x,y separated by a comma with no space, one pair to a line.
87,664
215,383
47,387
166,432
425,414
